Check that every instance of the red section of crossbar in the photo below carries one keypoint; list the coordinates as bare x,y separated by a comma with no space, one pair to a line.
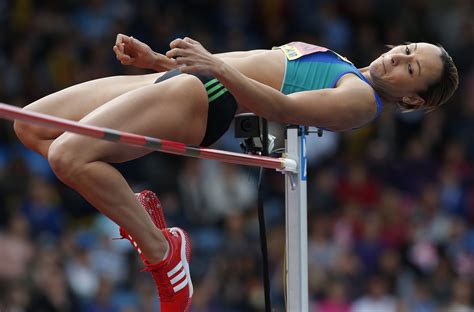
132,139
15,113
171,146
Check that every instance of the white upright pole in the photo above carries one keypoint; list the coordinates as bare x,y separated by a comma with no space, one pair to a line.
296,224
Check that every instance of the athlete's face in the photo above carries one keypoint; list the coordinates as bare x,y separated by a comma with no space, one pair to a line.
406,70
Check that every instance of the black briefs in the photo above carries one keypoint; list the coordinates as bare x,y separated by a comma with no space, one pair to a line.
222,106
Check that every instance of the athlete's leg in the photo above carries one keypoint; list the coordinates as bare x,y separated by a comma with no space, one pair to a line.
175,109
74,103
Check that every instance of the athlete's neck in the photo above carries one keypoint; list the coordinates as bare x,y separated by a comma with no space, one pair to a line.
381,89
366,73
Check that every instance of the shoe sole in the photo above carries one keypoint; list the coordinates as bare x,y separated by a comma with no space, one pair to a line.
185,254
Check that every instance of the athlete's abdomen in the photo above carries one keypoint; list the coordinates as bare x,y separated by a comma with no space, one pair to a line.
265,66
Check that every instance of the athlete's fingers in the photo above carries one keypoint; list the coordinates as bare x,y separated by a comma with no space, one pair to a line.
127,61
190,40
119,51
121,40
183,60
179,43
174,42
175,52
171,53
131,40
123,58
118,39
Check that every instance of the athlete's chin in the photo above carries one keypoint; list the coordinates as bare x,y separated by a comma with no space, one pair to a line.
375,70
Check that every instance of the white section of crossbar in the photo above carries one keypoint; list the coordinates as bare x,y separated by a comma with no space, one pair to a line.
296,224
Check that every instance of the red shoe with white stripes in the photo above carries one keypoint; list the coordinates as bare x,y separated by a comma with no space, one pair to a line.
172,275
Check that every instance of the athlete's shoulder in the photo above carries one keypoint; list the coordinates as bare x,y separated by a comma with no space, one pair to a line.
358,92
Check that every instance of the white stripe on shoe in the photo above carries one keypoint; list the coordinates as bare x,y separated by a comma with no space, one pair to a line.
182,285
175,269
178,277
184,263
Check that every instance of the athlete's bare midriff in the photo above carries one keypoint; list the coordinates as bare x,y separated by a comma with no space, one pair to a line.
265,66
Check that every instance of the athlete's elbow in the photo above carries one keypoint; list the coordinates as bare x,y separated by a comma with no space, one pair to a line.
276,116
286,117
277,113
334,122
286,112
349,121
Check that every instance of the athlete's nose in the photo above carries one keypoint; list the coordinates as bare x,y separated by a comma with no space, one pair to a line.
399,58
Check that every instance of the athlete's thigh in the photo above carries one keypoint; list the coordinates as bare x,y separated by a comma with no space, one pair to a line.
77,101
175,109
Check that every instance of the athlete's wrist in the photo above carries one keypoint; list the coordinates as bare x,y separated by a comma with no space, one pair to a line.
220,69
155,61
159,62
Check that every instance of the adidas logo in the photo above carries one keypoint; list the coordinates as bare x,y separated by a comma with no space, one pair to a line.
180,279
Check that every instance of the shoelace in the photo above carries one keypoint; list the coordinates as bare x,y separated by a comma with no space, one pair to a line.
122,235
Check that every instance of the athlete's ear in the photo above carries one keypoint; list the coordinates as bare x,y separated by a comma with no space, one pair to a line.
413,100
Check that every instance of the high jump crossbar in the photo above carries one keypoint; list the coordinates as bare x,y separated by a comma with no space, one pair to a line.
293,165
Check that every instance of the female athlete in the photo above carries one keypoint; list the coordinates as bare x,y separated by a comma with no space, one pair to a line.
193,96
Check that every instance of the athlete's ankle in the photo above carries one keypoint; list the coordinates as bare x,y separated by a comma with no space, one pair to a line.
157,252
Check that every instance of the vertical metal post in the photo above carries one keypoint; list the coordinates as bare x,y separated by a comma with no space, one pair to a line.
296,224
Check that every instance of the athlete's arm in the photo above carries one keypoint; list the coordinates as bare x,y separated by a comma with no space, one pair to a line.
350,105
131,51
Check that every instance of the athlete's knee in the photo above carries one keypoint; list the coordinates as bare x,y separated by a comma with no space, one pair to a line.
27,132
28,135
22,130
65,160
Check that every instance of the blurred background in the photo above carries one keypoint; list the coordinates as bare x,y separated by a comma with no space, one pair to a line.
391,206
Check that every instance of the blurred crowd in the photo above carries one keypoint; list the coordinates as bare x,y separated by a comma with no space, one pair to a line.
391,206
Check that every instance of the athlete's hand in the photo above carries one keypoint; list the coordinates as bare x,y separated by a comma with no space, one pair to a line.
131,51
192,57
